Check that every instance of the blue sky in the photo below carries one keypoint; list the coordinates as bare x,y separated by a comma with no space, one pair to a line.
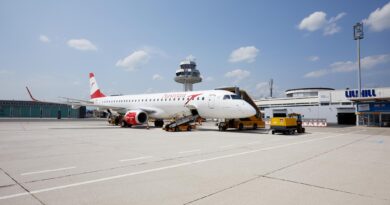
136,46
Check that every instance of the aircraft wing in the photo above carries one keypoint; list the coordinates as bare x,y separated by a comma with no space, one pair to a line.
75,103
150,110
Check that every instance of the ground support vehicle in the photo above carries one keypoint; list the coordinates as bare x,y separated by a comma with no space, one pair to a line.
186,123
253,122
287,125
242,123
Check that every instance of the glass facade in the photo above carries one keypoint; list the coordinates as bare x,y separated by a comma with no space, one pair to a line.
29,109
374,114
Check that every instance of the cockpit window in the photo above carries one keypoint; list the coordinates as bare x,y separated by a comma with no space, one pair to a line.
226,97
235,97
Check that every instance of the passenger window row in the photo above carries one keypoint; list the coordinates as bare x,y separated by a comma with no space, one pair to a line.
151,100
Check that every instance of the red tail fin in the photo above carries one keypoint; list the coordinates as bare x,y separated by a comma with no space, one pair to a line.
95,91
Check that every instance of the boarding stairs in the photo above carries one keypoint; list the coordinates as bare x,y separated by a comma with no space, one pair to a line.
183,120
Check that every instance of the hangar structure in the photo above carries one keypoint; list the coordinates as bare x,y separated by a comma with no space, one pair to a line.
33,109
335,106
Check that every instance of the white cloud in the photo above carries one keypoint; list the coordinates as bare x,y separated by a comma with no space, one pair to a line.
338,17
134,60
247,54
154,51
44,39
317,21
343,66
316,74
237,74
331,29
262,90
157,77
314,21
82,44
379,19
368,62
313,58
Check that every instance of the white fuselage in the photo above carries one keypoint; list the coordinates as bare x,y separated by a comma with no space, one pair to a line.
209,104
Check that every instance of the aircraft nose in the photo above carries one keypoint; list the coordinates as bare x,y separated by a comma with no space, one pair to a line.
252,111
249,110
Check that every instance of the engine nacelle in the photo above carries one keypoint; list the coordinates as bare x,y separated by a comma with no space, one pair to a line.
135,117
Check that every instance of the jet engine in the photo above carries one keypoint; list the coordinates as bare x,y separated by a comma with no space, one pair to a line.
135,117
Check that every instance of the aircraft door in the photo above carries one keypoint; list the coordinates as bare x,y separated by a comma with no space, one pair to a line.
211,101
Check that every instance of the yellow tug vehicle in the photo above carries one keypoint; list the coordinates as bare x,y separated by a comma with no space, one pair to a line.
287,125
253,122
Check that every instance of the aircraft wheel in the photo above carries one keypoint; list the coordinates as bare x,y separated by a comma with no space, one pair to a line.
124,124
255,126
158,123
116,121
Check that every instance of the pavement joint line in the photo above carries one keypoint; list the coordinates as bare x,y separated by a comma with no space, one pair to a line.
189,151
27,192
134,159
301,161
157,169
319,154
322,187
47,170
222,190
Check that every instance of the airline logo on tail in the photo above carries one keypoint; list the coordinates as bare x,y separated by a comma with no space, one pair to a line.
95,91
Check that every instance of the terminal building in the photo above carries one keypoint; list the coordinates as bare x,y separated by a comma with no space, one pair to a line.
333,106
33,109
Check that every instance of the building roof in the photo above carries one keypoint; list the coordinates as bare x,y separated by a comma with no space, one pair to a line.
312,88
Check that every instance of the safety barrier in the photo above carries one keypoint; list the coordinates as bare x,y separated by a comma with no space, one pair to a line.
307,122
314,123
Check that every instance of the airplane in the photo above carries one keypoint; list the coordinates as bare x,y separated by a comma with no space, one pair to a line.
137,109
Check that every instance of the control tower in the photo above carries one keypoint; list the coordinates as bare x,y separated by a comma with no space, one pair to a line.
188,74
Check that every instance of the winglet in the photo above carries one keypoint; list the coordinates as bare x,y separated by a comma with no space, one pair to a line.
29,93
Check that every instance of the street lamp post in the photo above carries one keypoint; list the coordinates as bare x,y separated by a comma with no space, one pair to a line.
357,35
